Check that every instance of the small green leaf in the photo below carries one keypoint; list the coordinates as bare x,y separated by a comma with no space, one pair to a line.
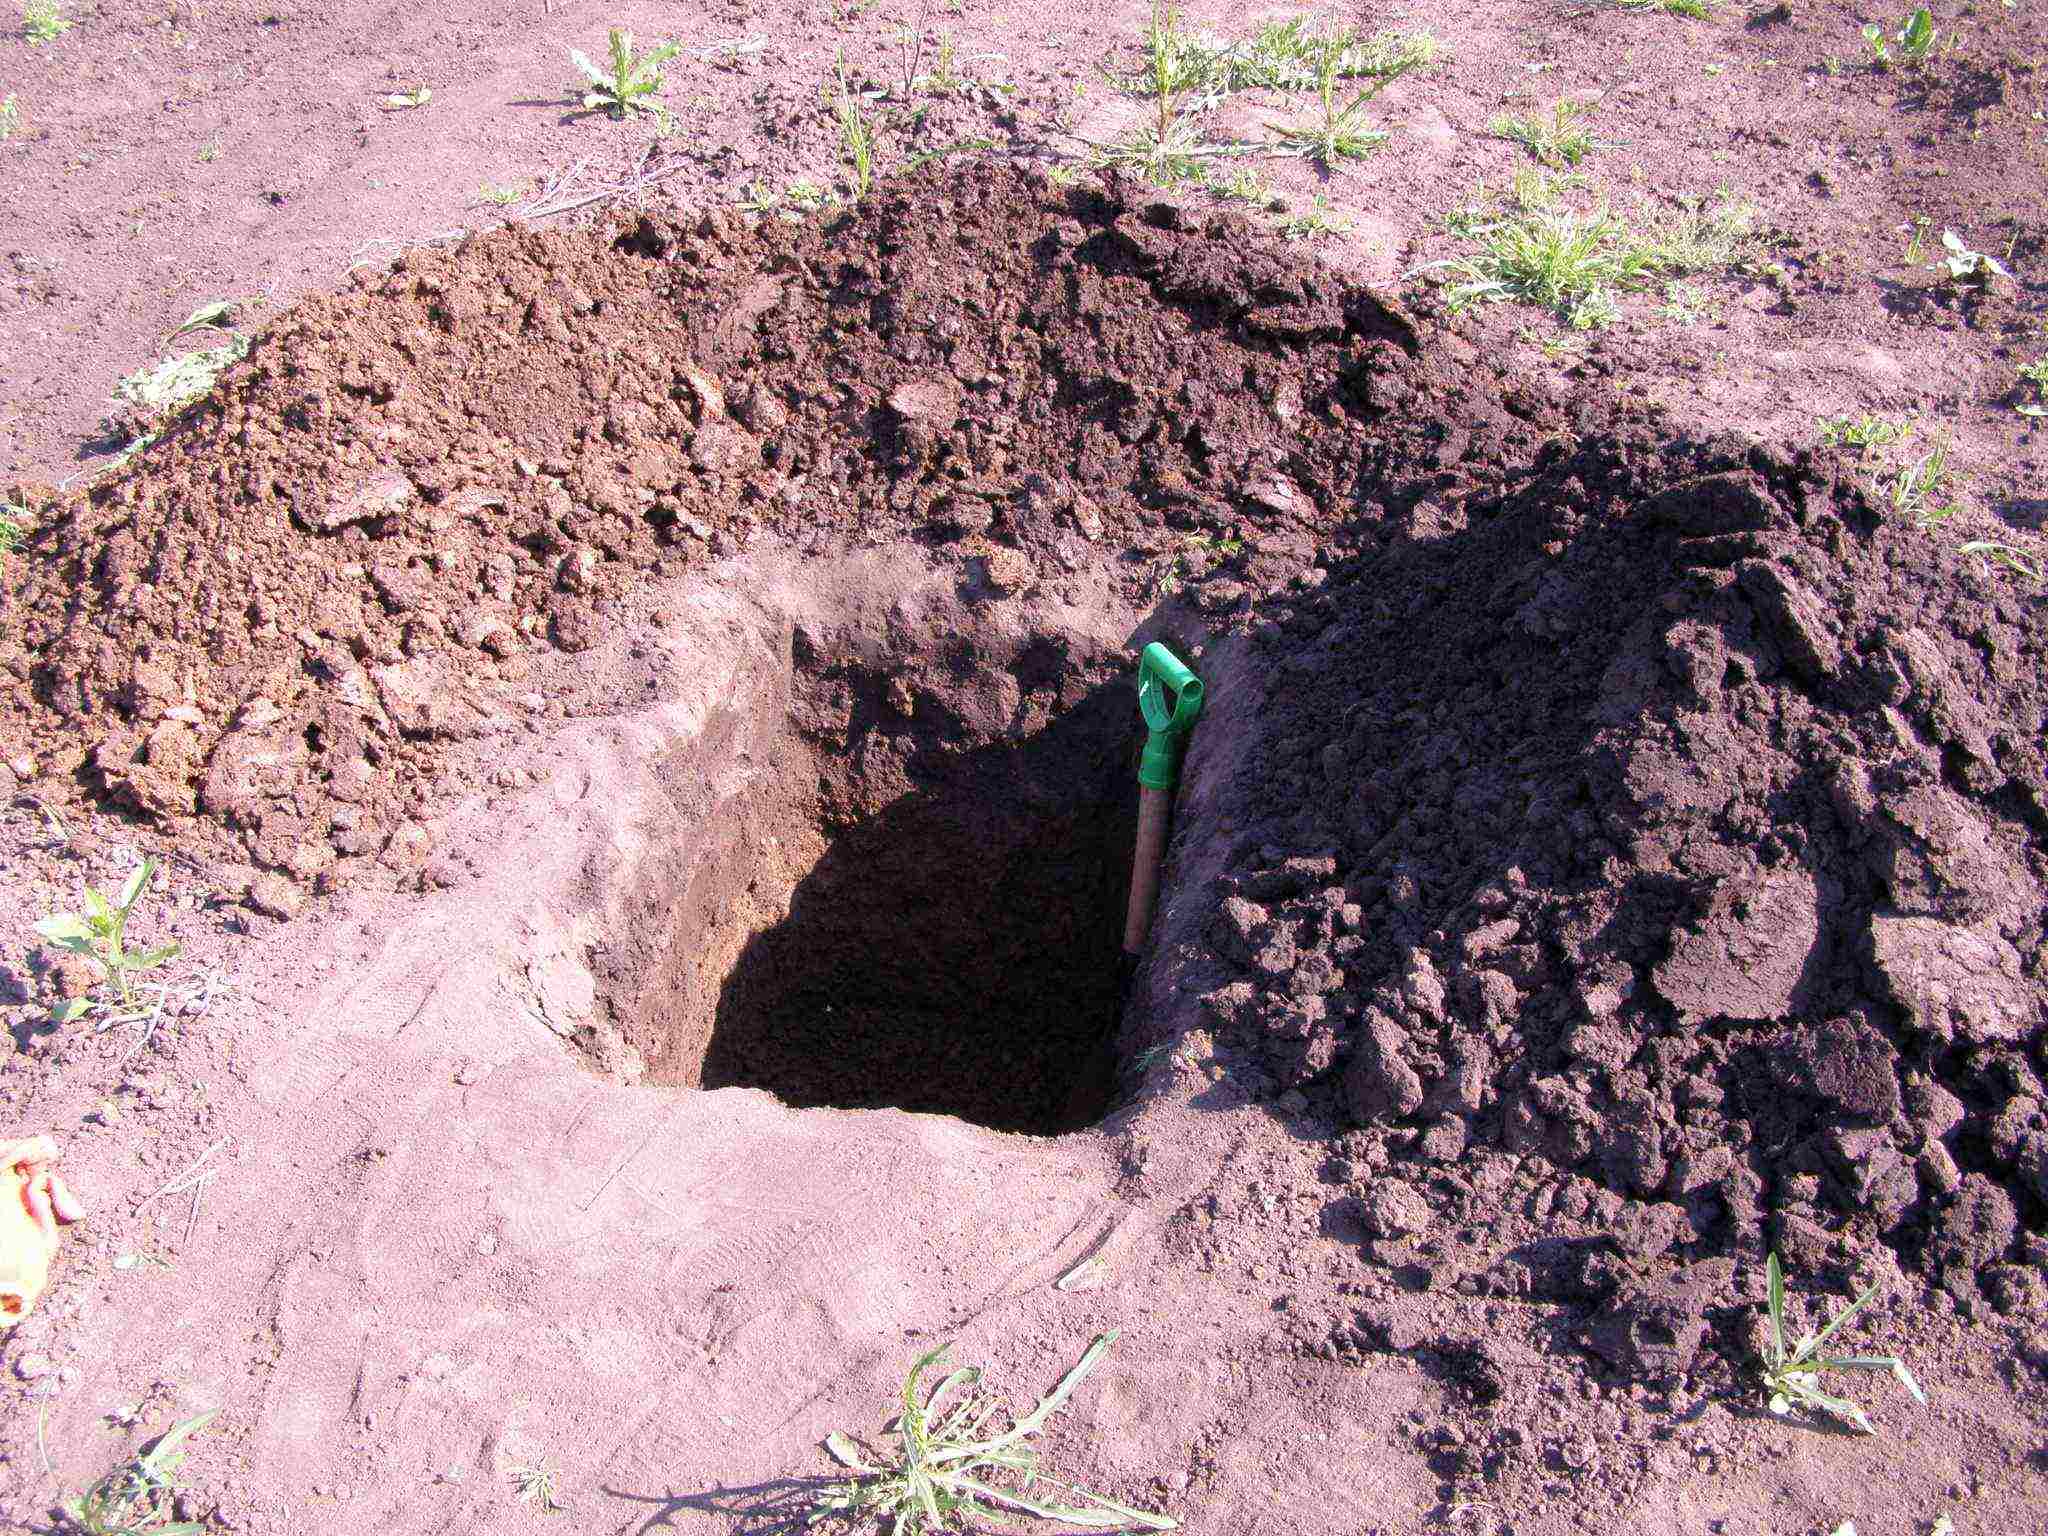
215,314
71,1008
135,883
65,925
845,1452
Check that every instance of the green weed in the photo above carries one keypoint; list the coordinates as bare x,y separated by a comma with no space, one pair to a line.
1686,305
1913,490
10,116
418,96
14,516
1177,63
44,21
947,151
1792,1371
1280,56
1862,433
632,83
2006,555
1241,184
1168,149
135,1498
856,133
951,1452
1914,40
2036,374
1701,236
1561,141
1344,132
99,934
1565,261
1695,10
152,396
1214,546
493,192
1316,219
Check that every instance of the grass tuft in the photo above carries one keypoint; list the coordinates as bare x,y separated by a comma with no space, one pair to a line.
1560,141
135,1498
44,21
953,1460
2012,558
536,1485
1913,490
856,133
1693,10
1792,1371
1702,235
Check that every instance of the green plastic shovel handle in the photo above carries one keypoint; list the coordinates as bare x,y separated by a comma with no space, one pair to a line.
1167,721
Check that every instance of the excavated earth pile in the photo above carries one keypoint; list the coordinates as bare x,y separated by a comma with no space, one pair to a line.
272,626
1673,820
1635,850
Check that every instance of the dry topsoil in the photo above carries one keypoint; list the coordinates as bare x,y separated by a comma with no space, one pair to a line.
1632,848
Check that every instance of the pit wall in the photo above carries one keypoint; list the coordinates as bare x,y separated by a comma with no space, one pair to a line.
898,854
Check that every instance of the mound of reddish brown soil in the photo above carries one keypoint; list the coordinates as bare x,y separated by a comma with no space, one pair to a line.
271,625
1668,819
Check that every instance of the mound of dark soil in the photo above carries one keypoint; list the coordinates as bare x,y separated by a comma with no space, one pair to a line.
1669,820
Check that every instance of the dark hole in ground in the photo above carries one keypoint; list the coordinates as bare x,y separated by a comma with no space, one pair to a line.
956,951
898,864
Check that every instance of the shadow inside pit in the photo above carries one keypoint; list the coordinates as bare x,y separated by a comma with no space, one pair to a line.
958,951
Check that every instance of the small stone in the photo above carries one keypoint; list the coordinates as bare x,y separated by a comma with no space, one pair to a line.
577,571
934,402
1276,495
1009,570
1394,1209
373,498
275,896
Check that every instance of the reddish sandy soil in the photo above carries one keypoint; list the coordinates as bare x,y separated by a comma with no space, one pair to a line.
1472,1071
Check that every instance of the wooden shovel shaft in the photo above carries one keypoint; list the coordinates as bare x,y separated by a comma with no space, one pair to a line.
1155,812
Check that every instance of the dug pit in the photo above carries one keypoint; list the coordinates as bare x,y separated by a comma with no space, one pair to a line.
902,883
